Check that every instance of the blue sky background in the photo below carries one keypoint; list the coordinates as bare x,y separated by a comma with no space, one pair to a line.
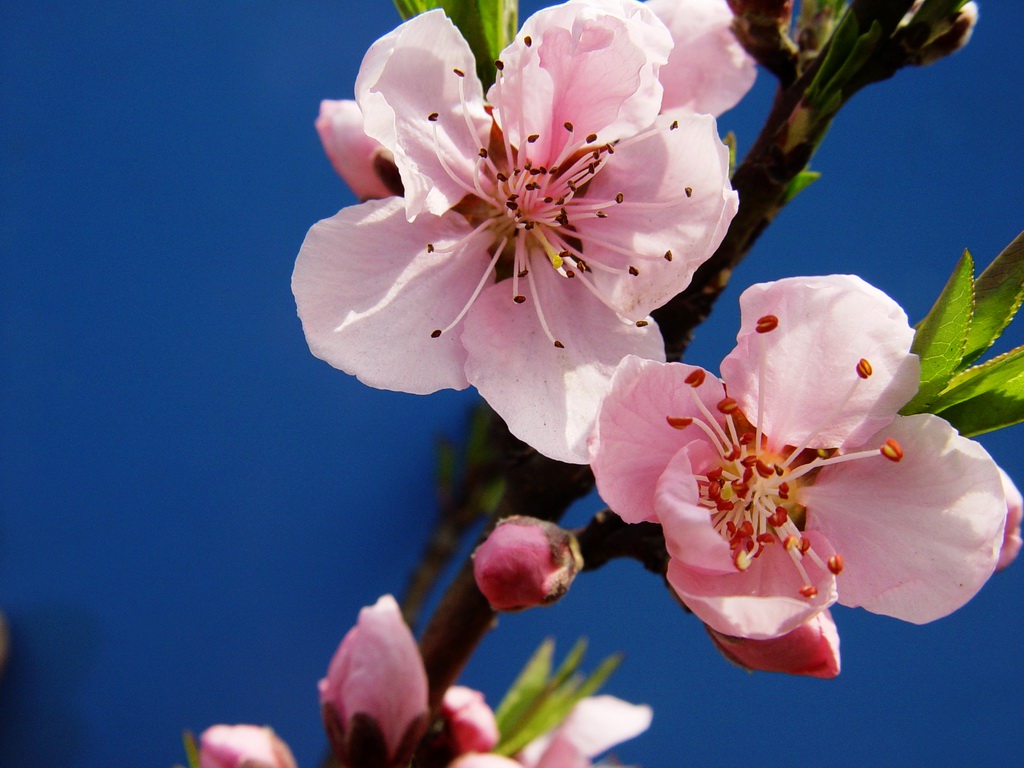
193,508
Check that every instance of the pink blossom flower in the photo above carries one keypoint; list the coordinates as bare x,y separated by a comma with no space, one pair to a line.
708,70
525,562
538,228
469,721
595,725
1014,512
792,481
374,698
362,162
812,649
243,746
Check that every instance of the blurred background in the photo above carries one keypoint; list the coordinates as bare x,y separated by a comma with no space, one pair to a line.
193,508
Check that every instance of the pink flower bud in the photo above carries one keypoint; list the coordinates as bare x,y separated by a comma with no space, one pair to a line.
525,562
1014,512
469,721
812,649
362,162
374,698
243,746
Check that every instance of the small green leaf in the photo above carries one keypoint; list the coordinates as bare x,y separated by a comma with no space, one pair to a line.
571,663
530,682
998,293
799,183
986,397
191,750
941,336
846,55
466,15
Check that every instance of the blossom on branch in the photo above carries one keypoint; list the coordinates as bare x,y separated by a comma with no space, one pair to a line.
538,229
243,746
792,482
374,698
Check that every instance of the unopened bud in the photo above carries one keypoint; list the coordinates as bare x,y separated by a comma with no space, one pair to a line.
243,746
374,698
812,649
526,562
932,39
1014,513
468,721
365,165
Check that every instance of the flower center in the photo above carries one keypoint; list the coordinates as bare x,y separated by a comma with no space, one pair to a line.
751,491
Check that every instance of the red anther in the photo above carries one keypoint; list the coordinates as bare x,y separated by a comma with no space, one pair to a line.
714,474
791,542
724,506
679,422
891,450
641,323
778,518
727,405
747,438
740,489
805,545
864,368
808,591
749,545
763,469
765,538
459,72
749,461
519,299
696,377
783,491
528,41
835,564
714,490
733,454
499,64
767,323
591,138
568,126
435,333
730,528
747,528
748,474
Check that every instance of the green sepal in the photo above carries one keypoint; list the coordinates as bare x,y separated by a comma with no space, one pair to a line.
986,397
191,749
799,183
539,701
942,335
998,293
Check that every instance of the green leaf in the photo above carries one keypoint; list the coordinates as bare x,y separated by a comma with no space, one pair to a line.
526,687
191,750
998,293
986,397
799,183
941,336
466,15
846,54
500,22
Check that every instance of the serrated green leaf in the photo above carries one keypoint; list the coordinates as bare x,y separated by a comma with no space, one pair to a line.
941,336
998,293
989,396
799,183
530,682
191,750
466,15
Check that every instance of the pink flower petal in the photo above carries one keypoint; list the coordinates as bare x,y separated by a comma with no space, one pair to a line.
593,65
812,649
369,295
405,77
689,535
1014,513
677,198
477,760
549,397
633,443
598,723
918,537
761,602
812,390
469,720
243,746
354,155
708,70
